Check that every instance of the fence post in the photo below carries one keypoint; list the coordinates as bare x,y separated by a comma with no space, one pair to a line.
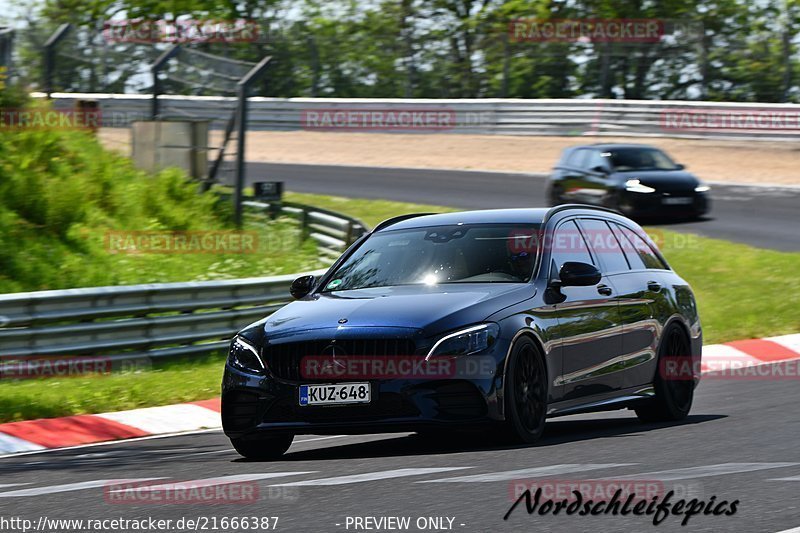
50,54
155,69
6,53
243,87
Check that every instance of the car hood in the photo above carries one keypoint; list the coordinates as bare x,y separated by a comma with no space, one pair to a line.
662,179
427,309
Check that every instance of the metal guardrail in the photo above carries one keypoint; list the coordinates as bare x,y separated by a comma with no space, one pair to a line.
158,320
561,117
333,232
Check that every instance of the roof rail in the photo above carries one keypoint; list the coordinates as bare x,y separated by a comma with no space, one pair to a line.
565,207
394,220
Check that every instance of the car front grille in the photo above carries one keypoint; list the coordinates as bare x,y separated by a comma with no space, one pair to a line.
284,360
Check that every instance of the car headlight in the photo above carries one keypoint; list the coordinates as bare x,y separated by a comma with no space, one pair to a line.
702,188
244,356
467,341
637,186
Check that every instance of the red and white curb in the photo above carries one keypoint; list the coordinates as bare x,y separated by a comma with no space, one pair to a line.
48,433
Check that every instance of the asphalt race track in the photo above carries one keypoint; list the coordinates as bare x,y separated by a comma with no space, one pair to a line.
767,217
739,443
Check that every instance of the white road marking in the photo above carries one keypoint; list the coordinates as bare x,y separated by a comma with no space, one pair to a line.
792,342
212,481
793,478
550,470
11,444
369,476
227,450
167,418
793,530
322,438
110,443
720,357
703,471
70,487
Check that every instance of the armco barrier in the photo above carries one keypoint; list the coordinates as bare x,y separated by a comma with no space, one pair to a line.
561,117
157,320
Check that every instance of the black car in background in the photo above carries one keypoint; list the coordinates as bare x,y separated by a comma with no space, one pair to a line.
502,318
635,179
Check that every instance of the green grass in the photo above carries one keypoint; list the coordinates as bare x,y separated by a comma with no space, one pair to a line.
167,382
371,212
743,292
61,194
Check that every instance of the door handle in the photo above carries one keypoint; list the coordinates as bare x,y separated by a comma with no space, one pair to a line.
605,290
654,286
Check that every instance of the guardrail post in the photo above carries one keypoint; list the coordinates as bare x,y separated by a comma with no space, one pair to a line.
303,224
349,236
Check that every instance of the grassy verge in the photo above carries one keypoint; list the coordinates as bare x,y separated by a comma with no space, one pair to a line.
167,382
65,201
743,292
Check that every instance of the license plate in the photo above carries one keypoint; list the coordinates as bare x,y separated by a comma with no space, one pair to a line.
677,201
335,394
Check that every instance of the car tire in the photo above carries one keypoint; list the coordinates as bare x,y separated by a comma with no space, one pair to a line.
554,193
525,393
263,448
673,397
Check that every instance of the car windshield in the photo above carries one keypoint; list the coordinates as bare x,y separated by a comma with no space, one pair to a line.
627,159
480,253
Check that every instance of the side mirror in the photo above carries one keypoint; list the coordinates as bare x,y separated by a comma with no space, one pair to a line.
575,274
680,166
301,286
600,169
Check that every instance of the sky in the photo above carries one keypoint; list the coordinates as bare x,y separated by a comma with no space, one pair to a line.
12,12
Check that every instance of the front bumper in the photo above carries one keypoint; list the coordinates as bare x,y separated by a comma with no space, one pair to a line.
253,404
658,204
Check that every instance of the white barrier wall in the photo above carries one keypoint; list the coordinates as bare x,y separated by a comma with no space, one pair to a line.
560,117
